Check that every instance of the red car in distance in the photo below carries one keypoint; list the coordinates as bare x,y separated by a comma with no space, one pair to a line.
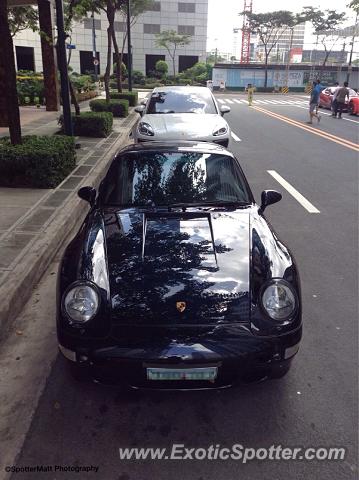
326,97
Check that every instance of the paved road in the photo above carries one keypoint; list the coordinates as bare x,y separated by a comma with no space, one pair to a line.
315,405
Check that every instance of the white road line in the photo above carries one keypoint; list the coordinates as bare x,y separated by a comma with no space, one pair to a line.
237,101
329,114
298,196
228,100
260,101
220,101
235,138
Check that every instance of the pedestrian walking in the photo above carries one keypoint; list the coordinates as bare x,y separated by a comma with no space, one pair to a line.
341,94
313,103
210,85
250,89
334,99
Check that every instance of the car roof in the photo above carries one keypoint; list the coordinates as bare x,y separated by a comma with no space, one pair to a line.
190,146
180,88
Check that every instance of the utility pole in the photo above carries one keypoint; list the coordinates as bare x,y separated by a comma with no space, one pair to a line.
288,59
94,54
62,64
129,49
352,48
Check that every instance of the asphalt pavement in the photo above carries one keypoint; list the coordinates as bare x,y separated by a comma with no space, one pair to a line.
316,404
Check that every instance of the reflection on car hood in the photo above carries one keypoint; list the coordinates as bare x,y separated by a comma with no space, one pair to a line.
201,259
184,126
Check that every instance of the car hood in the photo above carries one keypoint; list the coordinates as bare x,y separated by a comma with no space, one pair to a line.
178,268
184,126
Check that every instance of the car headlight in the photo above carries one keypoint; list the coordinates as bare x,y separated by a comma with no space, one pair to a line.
81,302
145,129
220,131
279,300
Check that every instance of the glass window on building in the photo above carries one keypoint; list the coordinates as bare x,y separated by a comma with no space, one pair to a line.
186,7
120,26
185,29
25,58
154,7
186,61
152,28
151,61
86,62
88,24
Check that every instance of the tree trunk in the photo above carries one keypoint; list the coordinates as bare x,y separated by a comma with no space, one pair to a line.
74,99
266,70
7,64
118,62
110,11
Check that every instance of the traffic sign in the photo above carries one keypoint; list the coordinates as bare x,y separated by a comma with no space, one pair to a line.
95,61
70,46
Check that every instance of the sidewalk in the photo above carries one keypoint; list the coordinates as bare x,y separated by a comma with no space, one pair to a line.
34,223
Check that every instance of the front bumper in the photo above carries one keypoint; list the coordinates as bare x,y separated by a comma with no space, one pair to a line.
239,358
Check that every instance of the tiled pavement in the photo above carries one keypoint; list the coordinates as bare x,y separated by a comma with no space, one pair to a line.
26,213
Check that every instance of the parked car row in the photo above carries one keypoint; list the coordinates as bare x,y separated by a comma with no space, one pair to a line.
176,280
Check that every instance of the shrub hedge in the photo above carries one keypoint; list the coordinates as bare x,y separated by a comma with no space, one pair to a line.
119,108
132,97
40,161
91,124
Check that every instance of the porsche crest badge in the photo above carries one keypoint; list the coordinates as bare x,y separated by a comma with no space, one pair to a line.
181,306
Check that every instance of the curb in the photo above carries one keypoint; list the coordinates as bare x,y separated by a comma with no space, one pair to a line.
17,289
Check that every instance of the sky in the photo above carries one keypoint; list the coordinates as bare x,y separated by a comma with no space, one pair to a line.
223,17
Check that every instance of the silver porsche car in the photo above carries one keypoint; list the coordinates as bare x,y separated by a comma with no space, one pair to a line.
182,113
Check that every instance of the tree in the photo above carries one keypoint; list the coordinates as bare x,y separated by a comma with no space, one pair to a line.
324,24
270,28
212,58
137,8
22,18
8,77
162,68
170,40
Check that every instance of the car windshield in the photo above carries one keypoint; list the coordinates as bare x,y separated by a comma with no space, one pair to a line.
177,101
168,178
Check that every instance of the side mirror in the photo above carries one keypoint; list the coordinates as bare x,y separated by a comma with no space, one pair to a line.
269,197
88,194
224,109
140,109
143,102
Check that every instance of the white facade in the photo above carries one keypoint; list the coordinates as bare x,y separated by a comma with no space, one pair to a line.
185,16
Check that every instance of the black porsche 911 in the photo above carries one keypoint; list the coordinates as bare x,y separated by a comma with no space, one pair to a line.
175,279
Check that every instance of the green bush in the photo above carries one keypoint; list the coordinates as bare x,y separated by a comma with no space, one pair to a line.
132,97
40,161
161,68
123,70
138,77
91,124
29,88
119,108
82,83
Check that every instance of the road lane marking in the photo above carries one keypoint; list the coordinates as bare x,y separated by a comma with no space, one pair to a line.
290,189
228,100
329,115
319,133
235,138
220,101
237,101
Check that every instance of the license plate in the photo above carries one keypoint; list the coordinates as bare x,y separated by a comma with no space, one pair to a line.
179,374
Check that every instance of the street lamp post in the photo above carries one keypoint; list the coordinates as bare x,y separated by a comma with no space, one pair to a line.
62,64
352,48
129,51
94,46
